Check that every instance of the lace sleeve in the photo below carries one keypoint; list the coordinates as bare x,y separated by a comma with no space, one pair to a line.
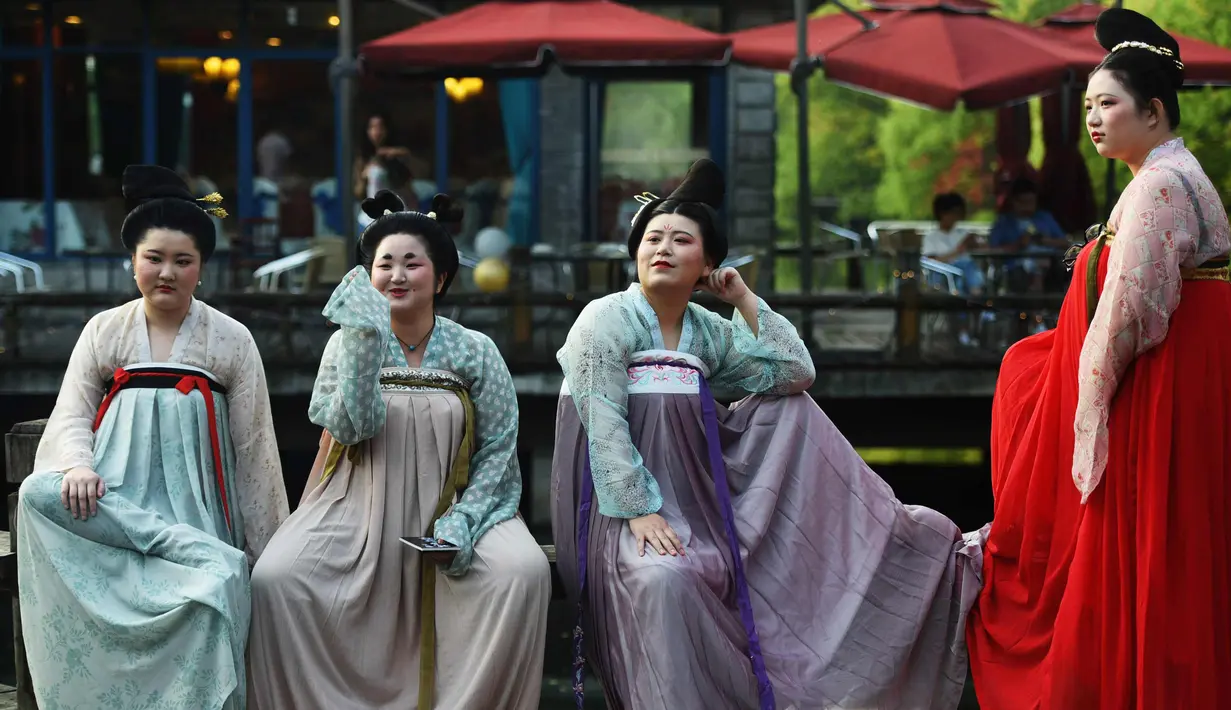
259,484
595,361
775,361
1157,231
346,397
68,439
495,476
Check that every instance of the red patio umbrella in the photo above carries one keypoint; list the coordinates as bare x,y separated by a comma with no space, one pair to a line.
930,52
1205,64
525,35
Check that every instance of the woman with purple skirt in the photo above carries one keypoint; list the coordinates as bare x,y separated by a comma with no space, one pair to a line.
740,557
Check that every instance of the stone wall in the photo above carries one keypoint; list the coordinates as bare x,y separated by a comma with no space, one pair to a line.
752,99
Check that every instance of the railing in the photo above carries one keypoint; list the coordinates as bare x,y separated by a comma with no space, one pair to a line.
887,317
909,328
929,266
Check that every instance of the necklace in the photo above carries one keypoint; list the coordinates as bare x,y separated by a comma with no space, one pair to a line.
414,347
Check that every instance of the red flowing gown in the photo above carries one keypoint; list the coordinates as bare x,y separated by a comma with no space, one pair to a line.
1121,603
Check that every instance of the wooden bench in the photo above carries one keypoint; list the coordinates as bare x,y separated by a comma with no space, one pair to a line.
20,445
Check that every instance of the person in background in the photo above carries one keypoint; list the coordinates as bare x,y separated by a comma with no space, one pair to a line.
950,243
1026,228
273,152
380,166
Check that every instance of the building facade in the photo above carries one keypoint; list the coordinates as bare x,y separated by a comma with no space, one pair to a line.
237,95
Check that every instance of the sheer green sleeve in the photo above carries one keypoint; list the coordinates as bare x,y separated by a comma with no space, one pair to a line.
346,397
774,361
595,361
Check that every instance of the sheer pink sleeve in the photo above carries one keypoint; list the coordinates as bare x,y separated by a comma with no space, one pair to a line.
1157,232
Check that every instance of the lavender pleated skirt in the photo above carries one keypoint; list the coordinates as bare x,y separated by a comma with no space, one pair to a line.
859,601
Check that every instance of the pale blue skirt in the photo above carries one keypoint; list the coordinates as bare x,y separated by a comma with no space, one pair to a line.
145,605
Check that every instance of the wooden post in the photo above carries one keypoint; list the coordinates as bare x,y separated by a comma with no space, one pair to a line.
20,445
908,320
519,284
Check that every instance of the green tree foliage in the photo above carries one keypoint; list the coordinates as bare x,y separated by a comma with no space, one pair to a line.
844,158
928,152
1032,10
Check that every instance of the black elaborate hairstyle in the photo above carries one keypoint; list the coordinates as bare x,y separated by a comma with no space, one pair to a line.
1143,58
392,217
159,198
699,197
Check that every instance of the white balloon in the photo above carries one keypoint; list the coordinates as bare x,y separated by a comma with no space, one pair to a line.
491,241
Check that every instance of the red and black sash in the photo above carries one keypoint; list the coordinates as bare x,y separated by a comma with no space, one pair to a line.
184,380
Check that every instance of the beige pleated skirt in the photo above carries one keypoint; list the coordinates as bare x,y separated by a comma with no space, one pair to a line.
335,596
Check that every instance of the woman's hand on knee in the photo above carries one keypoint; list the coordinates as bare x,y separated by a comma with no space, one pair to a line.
653,529
80,490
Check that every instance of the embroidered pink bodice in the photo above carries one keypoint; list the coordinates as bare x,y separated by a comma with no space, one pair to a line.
1170,216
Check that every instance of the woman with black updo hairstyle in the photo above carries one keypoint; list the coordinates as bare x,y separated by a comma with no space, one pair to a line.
741,557
1108,563
157,471
420,441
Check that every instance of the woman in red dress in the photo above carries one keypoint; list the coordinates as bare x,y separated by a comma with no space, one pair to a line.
1107,575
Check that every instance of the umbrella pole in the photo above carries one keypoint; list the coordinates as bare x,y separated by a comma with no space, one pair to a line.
345,95
799,81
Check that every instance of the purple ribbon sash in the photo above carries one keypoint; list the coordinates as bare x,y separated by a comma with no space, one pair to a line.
718,469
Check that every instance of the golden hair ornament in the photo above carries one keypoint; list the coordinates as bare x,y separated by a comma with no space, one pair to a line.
213,198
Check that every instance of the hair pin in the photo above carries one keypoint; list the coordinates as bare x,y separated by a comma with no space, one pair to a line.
431,215
213,198
387,212
644,199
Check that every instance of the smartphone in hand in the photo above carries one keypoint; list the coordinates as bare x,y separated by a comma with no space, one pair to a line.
431,545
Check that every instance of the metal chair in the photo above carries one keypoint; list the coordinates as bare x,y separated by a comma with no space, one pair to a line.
266,277
17,266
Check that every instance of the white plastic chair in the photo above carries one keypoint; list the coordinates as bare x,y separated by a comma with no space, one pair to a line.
21,265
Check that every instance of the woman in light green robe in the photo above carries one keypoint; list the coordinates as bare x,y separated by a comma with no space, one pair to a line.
156,485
